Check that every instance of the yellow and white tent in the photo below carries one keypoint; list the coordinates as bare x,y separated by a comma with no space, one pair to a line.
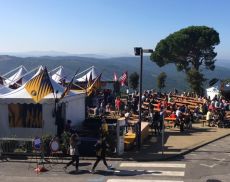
19,107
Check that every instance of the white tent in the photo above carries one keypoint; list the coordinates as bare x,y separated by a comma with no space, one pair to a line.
15,77
31,74
74,110
212,92
87,75
4,89
59,75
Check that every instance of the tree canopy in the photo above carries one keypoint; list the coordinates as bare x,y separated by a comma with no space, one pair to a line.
161,80
191,48
134,80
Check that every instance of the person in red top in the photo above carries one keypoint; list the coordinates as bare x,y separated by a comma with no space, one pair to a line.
173,115
118,104
158,107
165,104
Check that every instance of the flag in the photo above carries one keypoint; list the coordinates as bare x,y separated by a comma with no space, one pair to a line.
95,85
124,78
115,77
67,89
39,86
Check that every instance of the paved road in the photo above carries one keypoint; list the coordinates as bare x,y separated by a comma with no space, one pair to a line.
210,163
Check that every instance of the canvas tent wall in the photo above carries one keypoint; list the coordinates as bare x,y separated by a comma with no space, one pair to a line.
212,92
74,110
4,89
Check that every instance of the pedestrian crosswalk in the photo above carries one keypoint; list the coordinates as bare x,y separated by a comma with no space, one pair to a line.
140,180
146,164
149,172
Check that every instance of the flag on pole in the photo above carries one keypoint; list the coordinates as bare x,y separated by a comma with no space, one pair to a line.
98,82
39,86
94,86
115,77
124,79
67,89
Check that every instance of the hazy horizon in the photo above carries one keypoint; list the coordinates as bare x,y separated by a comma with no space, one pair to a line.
102,27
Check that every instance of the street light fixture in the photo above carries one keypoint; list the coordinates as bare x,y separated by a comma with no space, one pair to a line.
138,51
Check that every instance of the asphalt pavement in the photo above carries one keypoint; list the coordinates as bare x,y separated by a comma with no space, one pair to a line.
201,154
210,163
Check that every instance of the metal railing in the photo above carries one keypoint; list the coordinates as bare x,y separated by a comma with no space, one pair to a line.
15,145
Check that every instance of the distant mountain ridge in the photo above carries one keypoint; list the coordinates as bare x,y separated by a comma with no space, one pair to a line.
110,65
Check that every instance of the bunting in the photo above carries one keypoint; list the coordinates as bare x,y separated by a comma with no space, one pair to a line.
39,86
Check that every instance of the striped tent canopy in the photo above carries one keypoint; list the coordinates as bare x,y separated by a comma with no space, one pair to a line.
40,89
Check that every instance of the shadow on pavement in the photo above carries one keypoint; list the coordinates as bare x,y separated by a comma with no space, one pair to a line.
126,172
73,172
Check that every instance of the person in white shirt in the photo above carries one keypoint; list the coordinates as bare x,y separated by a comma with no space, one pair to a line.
209,117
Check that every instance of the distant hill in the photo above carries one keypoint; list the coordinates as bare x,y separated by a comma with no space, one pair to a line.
110,65
223,63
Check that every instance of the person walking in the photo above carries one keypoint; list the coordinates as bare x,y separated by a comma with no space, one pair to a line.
73,151
101,147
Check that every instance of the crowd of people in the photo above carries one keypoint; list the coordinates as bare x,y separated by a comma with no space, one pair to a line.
182,110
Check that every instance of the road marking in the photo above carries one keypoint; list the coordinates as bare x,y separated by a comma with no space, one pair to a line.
101,179
202,149
221,160
213,145
140,180
192,154
211,166
139,164
153,173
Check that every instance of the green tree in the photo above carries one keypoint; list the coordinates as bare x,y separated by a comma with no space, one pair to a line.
191,49
134,80
161,80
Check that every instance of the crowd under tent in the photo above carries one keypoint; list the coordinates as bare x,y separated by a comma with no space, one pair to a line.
22,117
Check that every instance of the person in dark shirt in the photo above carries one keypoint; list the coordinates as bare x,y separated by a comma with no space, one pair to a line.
101,147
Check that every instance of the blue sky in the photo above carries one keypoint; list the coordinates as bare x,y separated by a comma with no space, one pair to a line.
111,27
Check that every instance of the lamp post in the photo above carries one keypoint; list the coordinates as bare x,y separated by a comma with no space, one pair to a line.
138,51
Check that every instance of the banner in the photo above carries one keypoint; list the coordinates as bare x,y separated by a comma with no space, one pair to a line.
39,86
